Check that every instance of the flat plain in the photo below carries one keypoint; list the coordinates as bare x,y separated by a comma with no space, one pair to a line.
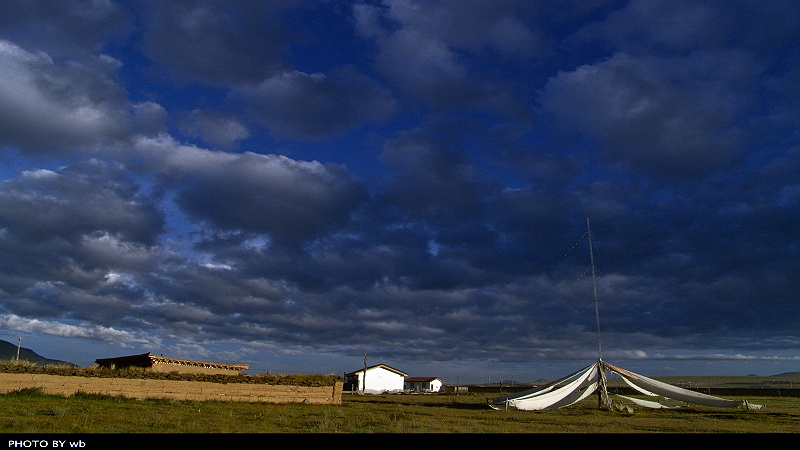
30,411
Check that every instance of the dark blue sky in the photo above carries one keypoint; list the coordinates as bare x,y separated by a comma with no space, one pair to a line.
294,184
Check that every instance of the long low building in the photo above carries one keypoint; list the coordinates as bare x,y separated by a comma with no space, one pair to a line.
159,363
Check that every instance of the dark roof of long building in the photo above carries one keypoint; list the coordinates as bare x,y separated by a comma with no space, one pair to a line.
149,359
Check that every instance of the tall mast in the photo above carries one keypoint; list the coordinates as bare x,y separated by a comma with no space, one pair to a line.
594,284
602,393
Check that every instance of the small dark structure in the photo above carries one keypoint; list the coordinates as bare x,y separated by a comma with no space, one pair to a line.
158,363
423,384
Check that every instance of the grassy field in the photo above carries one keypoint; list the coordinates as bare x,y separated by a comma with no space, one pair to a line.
30,411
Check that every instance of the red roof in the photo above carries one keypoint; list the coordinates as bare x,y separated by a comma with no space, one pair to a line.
422,379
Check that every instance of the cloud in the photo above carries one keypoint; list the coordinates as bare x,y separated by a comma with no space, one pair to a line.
290,201
672,27
428,50
52,107
670,117
83,330
474,25
150,118
432,175
71,28
77,201
219,130
69,232
216,41
294,104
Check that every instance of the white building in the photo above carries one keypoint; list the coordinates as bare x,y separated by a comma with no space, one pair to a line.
423,384
375,380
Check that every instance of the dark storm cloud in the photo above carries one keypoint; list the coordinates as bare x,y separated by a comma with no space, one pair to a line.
69,27
429,50
671,117
216,41
684,85
432,175
300,105
668,27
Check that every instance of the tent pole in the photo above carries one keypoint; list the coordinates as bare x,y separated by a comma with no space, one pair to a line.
599,384
602,392
602,383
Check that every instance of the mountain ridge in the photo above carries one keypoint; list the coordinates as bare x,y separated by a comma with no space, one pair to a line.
8,351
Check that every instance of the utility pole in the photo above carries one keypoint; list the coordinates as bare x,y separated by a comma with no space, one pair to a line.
364,378
19,341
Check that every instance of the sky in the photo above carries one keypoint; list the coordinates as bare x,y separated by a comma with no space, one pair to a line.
300,185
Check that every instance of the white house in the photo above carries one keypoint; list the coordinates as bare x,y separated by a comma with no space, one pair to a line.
375,380
423,384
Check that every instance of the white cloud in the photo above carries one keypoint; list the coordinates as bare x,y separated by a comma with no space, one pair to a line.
50,106
217,129
59,328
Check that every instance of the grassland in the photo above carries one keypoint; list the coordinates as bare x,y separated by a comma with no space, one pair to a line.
30,411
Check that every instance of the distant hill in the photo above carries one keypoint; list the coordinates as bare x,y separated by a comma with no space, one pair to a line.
788,374
8,351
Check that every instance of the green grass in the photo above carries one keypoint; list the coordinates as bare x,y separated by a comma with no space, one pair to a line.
30,411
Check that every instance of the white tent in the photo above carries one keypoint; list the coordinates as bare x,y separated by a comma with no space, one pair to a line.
564,392
581,384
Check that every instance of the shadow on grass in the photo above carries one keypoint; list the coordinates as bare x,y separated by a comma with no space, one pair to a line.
436,404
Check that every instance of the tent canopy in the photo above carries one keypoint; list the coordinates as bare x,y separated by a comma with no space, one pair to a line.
579,385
